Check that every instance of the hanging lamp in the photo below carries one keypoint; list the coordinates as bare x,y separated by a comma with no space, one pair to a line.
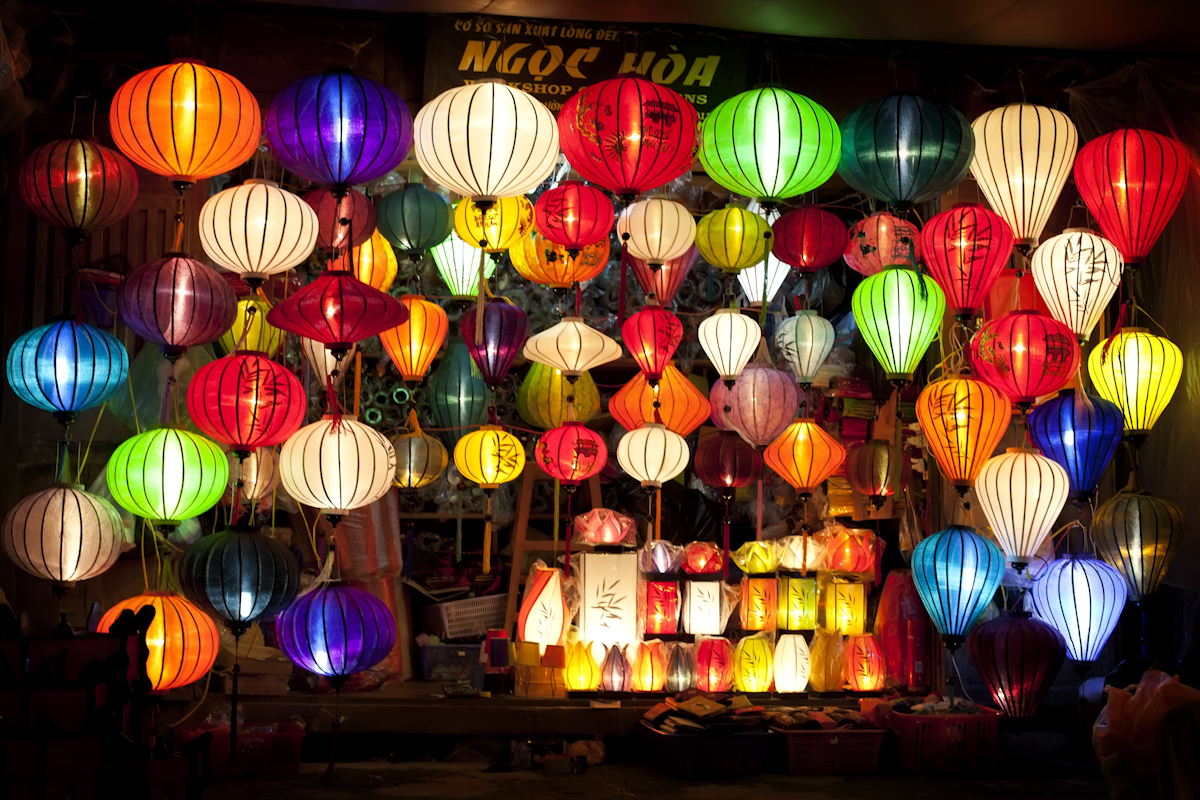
63,534
1082,598
239,575
571,453
337,309
729,338
1080,434
899,313
664,281
1138,534
966,249
1018,658
167,475
503,331
873,469
458,266
542,397
176,302
257,230
538,259
335,631
1025,354
414,219
1139,372
413,344
652,336
805,456
1077,273
963,419
325,366
675,401
1021,493
805,340
337,464
761,404
571,347
656,230
77,185
573,216
246,401
957,573
882,240
251,320
374,263
181,640
420,458
653,454
458,397
495,228
489,457
343,221
809,238
732,238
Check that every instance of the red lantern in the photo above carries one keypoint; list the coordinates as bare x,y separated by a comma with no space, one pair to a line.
714,665
1018,658
865,667
661,612
77,185
342,222
809,238
725,461
702,558
1132,180
1025,354
663,282
882,240
571,453
505,329
177,302
337,310
628,134
246,400
652,336
966,249
573,215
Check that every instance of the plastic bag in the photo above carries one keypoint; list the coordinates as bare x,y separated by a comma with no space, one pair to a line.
828,662
1124,735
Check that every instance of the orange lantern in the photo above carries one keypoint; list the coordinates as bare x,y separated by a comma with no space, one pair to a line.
182,640
544,614
649,667
804,455
760,603
660,613
851,551
963,419
540,260
682,407
374,262
582,673
413,345
865,668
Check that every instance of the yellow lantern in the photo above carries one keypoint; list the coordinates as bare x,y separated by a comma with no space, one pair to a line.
582,673
374,262
542,398
1139,372
489,456
963,420
758,558
498,228
262,336
733,238
540,260
865,669
413,345
754,664
845,608
797,604
827,662
420,458
649,667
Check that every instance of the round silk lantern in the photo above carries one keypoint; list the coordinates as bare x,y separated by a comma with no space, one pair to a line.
246,401
185,121
542,398
733,238
337,309
414,219
338,129
489,456
652,336
899,313
792,664
239,575
486,140
725,461
257,229
675,401
1138,535
181,641
754,664
1132,181
1080,434
1018,658
63,534
336,631
1139,372
653,454
1077,273
1082,598
313,465
538,259
495,228
661,282
1022,493
458,397
176,302
965,250
769,144
873,469
413,344
729,338
762,404
628,134
374,263
657,230
458,266
251,319
504,330
420,458
804,455
573,215
167,475
865,668
66,367
1025,354
882,240
343,221
571,347
714,665
957,573
809,238
1023,155
325,366
77,185
963,419
571,453
805,341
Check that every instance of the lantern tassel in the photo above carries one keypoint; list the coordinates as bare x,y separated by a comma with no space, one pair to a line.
621,282
487,535
332,406
758,533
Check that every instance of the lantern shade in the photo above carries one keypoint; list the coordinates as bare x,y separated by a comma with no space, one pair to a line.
664,282
899,313
683,407
1139,372
63,534
805,553
652,336
726,461
873,469
845,611
181,641
544,616
761,282
458,266
754,664
337,464
338,128
571,453
759,603
797,604
1080,434
729,338
649,667
865,668
542,398
167,475
337,309
538,259
246,400
804,455
185,121
486,140
1025,354
966,249
582,673
374,263
251,319
758,557
1022,493
809,238
963,420
681,667
420,458
499,227
413,344
714,665
1082,598
77,185
733,238
702,558
616,673
343,221
414,219
571,347
489,456
239,575
1077,273
657,230
505,328
1018,658
653,454
608,606
336,631
574,215
792,664
882,240
176,302
66,367
604,526
458,397
957,573
660,612
762,404
805,340
257,229
1138,535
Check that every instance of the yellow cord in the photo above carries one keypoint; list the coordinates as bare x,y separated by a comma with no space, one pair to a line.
86,452
195,708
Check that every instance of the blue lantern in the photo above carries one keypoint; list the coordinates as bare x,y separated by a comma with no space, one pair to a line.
957,573
336,631
65,367
1081,436
1082,597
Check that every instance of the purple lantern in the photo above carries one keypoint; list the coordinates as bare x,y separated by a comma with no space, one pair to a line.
762,404
338,129
336,631
1018,658
718,398
176,302
505,328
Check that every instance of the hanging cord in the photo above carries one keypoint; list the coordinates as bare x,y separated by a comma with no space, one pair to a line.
487,534
87,452
725,536
758,532
658,514
567,540
163,413
621,280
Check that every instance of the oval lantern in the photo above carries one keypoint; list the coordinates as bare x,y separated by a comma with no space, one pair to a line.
239,575
963,419
374,263
573,215
762,404
729,338
538,259
1080,434
714,665
966,249
899,313
727,462
505,328
246,401
311,465
1018,658
657,230
336,631
1082,598
873,469
344,221
804,455
167,475
413,344
77,185
957,573
338,310
542,398
793,663
495,228
1077,273
571,347
882,240
414,219
63,534
571,453
176,302
652,336
681,406
805,341
809,238
754,664
733,238
865,668
458,397
458,266
489,456
181,641
1021,493
1026,355
1138,535
420,458
653,454
662,282
257,230
1139,372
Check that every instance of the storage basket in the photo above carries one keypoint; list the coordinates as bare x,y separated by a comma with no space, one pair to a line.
840,751
707,755
946,742
449,662
464,619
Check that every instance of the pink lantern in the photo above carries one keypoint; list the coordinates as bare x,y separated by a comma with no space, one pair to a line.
603,526
718,399
762,404
882,240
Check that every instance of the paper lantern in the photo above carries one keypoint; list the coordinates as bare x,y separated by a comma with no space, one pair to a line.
337,309
652,336
761,282
257,229
805,341
762,404
809,238
966,249
727,462
957,573
1077,273
1138,535
63,534
542,397
458,266
414,219
882,240
797,609
582,673
1082,598
865,668
603,526
792,664
458,397
185,121
571,453
702,558
544,615
239,575
804,455
486,140
496,228
1021,493
769,144
652,454
754,664
851,551
899,313
759,557
536,258
657,230
649,667
1023,155
1025,354
413,344
1018,658
489,456
661,609
338,129
628,134
1139,372
251,319
246,401
1080,434
176,302
682,407
729,338
658,557
503,331
374,263
963,419
804,552
314,465
608,604
616,673
343,221
325,366
873,469
66,367
420,458
571,347
78,185
167,475
759,604
258,474
574,215
1132,181
662,281
714,665
845,608
336,631
705,608
733,238
181,641
681,667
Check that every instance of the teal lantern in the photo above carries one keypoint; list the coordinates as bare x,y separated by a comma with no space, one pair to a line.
905,149
899,312
414,219
957,573
457,394
769,144
167,475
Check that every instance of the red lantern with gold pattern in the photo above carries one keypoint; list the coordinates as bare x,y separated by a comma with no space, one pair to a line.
652,336
966,249
865,667
571,453
1026,355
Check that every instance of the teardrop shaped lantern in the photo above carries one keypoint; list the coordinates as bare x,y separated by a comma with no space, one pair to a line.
414,219
374,263
657,230
1025,354
536,258
793,663
1018,658
574,215
963,419
1077,273
571,347
1132,181
325,366
257,229
571,453
312,465
181,641
804,455
251,319
1021,493
176,302
336,631
957,573
544,616
727,462
239,575
246,401
167,475
1079,434
343,221
966,249
762,404
769,144
733,238
873,469
754,664
420,458
653,454
1082,598
413,344
542,398
496,228
458,266
663,282
899,313
77,185
809,238
762,281
805,341
337,309
505,328
729,338
1139,372
1138,534
882,240
458,397
63,534
681,406
652,336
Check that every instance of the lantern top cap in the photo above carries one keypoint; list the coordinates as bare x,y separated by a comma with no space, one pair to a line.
770,85
197,61
341,417
260,182
500,81
78,487
1030,450
1080,230
1133,330
490,428
157,593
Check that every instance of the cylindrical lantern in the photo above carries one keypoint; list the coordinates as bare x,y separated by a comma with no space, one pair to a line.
729,338
504,329
66,367
714,665
540,260
337,309
312,465
1018,658
963,420
414,219
754,664
544,615
657,230
882,240
873,469
792,664
77,185
899,312
582,673
542,398
660,612
649,667
1138,534
759,603
1139,372
458,266
762,404
496,228
965,250
336,631
681,406
343,221
652,454
804,455
797,604
571,347
257,229
733,238
571,454
725,461
865,668
809,238
1025,354
1080,433
1021,493
176,302
664,281
63,534
957,573
239,575
845,608
414,343
458,397
1082,597
374,263
1077,273
181,641
652,336
805,341
246,401
420,458
167,475
574,215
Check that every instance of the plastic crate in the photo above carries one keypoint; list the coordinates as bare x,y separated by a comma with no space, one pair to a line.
840,751
449,662
464,619
946,742
707,755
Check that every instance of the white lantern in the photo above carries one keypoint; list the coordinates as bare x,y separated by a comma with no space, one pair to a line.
1023,155
608,605
63,534
1022,493
762,281
259,472
702,607
1082,598
1077,273
729,339
324,363
337,464
658,230
653,454
257,229
486,140
571,347
458,266
805,341
792,664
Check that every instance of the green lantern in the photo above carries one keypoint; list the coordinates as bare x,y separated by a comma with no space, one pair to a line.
457,394
167,475
458,265
542,398
414,219
899,313
733,238
769,144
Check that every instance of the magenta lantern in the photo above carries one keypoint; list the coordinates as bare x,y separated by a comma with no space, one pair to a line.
505,328
177,302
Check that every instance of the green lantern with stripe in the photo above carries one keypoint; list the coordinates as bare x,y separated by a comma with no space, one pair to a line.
899,313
